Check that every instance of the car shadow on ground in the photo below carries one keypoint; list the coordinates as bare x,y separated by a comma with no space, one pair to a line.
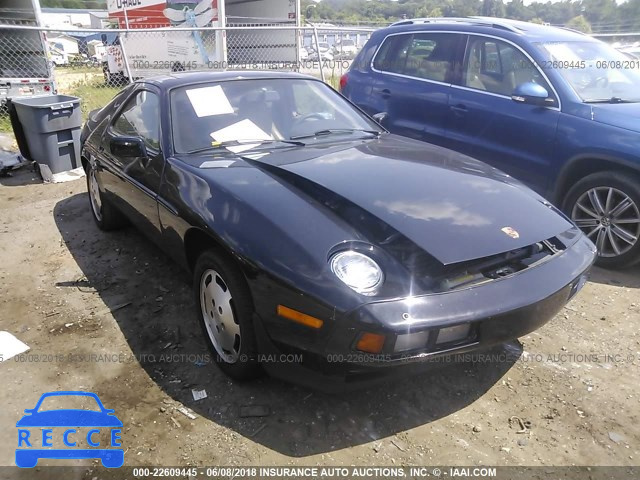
150,299
629,277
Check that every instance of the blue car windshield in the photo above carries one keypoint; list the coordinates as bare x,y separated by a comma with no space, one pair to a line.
259,112
596,71
72,402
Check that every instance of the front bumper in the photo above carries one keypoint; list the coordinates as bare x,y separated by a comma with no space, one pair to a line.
496,312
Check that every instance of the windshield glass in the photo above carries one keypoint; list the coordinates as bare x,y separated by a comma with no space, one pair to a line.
265,110
596,71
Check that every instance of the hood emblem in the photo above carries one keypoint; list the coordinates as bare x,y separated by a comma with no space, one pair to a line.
513,233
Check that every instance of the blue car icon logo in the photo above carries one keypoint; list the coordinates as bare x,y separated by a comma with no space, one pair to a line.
37,438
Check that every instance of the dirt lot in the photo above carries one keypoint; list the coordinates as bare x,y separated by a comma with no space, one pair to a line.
69,289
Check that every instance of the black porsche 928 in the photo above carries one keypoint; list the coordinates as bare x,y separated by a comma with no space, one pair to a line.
310,230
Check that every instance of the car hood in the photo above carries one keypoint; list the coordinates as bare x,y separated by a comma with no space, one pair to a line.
69,418
452,206
623,115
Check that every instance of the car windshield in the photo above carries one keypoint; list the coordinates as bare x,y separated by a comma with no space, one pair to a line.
596,71
244,114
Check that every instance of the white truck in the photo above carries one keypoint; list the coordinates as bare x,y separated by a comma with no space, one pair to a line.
138,53
25,67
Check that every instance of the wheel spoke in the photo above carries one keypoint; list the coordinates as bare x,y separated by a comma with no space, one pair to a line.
587,210
621,207
595,201
613,242
602,235
607,205
624,235
587,222
626,220
590,234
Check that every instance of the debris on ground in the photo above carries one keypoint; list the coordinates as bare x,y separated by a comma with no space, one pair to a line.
198,394
186,412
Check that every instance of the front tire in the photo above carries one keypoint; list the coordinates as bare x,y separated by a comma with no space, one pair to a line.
225,310
106,216
606,207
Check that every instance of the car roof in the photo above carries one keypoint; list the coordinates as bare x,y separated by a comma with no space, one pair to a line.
186,78
496,26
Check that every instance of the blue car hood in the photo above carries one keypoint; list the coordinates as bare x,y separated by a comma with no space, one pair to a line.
69,418
623,115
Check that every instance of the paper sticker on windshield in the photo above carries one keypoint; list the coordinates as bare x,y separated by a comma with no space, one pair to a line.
243,130
208,101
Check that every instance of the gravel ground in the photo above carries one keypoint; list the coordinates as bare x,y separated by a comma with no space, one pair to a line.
70,291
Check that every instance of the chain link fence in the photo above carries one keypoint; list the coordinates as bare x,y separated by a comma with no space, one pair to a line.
95,64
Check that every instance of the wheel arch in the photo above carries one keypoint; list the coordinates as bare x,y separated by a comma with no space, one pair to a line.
582,165
197,241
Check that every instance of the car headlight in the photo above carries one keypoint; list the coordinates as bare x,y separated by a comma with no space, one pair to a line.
358,271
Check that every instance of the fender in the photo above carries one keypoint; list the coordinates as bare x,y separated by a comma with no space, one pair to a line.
595,158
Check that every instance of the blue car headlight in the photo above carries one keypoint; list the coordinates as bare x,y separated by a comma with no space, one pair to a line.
358,271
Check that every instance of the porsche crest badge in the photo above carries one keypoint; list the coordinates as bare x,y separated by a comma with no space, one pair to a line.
513,233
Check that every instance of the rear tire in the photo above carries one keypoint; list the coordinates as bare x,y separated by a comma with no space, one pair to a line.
225,311
106,216
606,207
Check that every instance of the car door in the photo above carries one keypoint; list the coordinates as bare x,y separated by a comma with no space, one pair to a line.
413,73
486,123
133,181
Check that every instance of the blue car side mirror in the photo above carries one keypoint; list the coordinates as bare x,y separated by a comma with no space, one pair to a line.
531,94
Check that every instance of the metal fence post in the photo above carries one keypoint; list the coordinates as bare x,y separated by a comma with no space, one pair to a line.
315,35
126,60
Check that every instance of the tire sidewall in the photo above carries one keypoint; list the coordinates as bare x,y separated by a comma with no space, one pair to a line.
247,366
91,170
630,185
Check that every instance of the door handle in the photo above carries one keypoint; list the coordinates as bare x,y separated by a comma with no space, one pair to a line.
385,93
459,109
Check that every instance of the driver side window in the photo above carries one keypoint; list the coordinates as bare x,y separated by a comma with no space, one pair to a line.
498,67
141,118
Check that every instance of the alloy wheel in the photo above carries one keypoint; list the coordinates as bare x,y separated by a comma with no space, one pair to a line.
216,303
94,194
610,218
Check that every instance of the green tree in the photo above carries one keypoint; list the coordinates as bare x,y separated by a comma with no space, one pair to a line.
579,23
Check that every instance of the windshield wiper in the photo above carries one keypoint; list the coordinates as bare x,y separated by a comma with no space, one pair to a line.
332,131
611,100
230,143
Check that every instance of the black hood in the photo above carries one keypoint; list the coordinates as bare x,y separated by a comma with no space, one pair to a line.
452,206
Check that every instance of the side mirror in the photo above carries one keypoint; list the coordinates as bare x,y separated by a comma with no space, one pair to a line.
531,94
380,117
127,147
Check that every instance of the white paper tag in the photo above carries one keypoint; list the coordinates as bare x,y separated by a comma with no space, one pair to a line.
208,101
242,130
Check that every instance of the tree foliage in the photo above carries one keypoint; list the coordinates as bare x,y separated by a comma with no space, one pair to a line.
81,4
585,15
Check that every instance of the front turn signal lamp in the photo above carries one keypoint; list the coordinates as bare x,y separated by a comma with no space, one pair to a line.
299,317
370,342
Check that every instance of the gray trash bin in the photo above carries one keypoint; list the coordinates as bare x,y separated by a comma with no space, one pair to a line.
51,126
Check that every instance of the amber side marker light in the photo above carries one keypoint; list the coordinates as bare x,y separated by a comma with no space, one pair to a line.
299,317
370,342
